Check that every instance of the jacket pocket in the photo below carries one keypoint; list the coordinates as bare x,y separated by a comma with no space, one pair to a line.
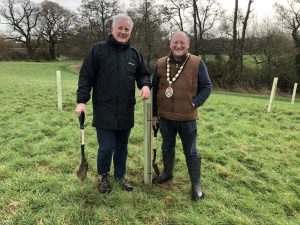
132,67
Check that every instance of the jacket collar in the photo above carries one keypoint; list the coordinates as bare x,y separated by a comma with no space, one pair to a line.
112,41
180,61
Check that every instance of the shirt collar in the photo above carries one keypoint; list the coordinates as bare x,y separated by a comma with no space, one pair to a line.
112,41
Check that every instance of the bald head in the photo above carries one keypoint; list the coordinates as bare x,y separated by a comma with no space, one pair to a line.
181,34
179,44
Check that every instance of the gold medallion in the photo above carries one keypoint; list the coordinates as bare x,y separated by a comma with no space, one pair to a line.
169,92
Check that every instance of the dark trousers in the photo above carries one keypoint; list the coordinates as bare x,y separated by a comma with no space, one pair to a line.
112,143
187,131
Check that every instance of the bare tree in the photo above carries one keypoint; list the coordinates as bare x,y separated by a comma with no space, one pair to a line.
234,52
195,13
205,15
242,41
22,17
290,17
208,13
96,14
146,22
272,51
55,25
237,53
173,12
147,32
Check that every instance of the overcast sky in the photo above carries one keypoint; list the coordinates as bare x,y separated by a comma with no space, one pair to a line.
70,4
262,8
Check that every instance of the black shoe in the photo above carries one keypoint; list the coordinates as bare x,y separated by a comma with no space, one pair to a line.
103,185
162,178
125,185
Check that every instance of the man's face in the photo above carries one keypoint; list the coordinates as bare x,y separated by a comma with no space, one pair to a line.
179,45
121,30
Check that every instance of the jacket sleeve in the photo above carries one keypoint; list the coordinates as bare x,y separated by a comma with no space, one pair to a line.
143,74
204,86
155,83
87,76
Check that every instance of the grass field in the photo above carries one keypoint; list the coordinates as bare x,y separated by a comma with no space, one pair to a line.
251,160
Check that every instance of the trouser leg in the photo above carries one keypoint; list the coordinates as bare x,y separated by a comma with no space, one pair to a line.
168,133
106,141
188,134
120,153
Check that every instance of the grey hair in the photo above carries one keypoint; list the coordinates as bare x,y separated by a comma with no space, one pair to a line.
119,17
181,32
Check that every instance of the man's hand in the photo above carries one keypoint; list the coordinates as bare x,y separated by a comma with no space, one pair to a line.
154,121
81,107
145,93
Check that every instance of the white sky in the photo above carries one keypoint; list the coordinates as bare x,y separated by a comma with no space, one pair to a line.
69,4
262,8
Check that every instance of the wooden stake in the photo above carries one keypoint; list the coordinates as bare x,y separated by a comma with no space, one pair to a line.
59,95
294,93
274,87
147,141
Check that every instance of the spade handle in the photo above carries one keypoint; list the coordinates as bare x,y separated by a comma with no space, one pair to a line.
155,129
81,120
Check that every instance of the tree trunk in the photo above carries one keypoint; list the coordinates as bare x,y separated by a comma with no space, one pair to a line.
242,42
233,57
297,54
52,50
147,33
180,19
196,46
30,50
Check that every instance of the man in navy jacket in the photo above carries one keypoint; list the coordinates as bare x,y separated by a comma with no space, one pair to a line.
110,70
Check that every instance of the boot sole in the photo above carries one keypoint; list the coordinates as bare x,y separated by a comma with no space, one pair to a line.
105,191
197,198
128,189
164,181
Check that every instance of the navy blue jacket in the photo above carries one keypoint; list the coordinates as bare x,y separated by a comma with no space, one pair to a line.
110,70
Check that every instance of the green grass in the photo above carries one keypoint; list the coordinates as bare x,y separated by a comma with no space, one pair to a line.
251,172
249,62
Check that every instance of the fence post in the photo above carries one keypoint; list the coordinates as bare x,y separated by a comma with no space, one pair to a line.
294,93
59,95
147,141
274,87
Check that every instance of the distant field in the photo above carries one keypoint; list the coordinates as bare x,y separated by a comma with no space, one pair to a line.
251,160
248,60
